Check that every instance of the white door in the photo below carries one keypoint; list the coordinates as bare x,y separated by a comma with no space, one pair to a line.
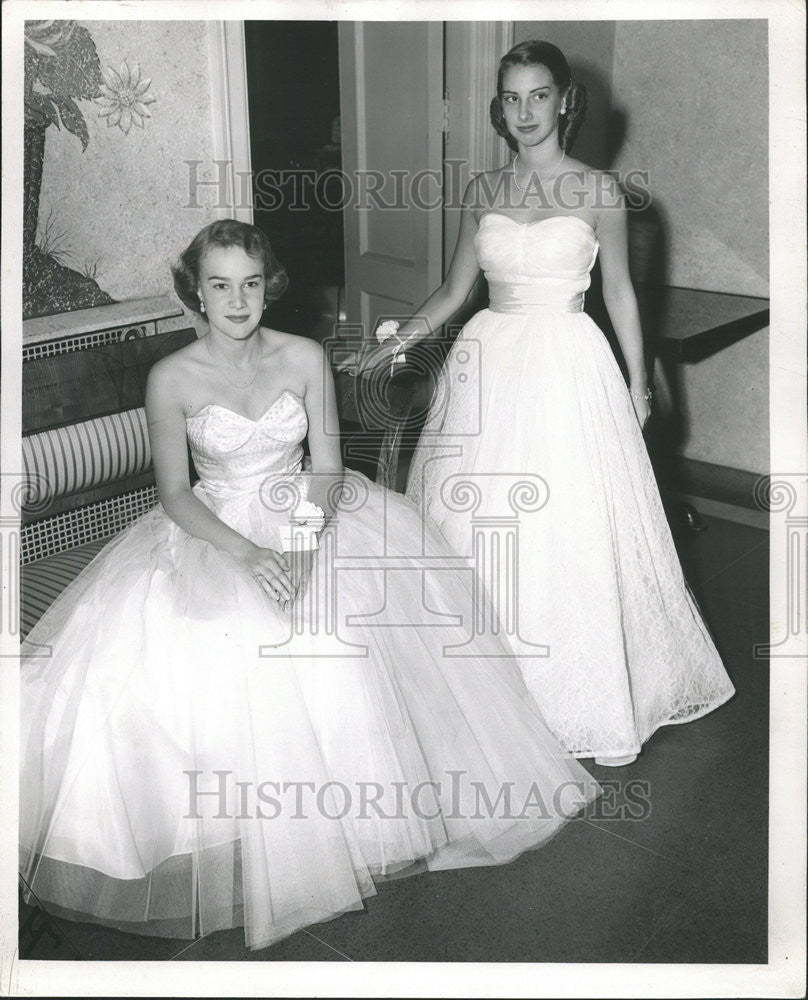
391,87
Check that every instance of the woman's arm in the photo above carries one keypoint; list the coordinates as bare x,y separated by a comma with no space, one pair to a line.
324,434
448,298
325,452
166,423
619,297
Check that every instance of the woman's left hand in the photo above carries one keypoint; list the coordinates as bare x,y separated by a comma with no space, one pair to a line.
377,356
642,408
300,571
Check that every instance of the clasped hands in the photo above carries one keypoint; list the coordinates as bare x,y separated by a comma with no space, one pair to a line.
282,576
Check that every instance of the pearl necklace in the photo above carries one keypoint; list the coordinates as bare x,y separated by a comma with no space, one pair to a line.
237,385
542,181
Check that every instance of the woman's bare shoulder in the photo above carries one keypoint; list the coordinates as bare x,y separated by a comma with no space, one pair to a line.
589,188
173,375
598,183
291,346
586,177
180,362
484,190
298,360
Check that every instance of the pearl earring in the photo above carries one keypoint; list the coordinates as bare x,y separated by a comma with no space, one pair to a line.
201,304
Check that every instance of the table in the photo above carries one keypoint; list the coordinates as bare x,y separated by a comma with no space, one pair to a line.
690,324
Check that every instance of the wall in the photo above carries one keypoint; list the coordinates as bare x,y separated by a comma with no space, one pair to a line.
123,203
687,101
704,140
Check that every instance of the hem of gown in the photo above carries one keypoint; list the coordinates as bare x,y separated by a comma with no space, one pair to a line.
636,748
171,930
191,926
187,923
443,860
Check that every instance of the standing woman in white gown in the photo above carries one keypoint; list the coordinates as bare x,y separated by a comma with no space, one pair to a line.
599,580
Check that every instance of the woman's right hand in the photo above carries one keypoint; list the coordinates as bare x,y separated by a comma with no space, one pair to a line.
272,572
377,357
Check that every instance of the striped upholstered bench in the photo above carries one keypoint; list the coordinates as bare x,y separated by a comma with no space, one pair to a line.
86,456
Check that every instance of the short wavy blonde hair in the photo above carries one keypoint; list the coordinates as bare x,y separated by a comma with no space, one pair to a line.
227,233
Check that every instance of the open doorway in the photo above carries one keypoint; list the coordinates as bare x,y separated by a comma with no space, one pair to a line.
294,106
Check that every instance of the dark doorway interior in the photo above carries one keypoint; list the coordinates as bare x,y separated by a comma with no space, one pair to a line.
293,86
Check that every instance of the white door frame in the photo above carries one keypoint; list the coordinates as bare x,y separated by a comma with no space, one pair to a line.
231,118
473,51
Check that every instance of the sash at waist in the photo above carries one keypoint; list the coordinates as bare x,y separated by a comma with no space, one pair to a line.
506,297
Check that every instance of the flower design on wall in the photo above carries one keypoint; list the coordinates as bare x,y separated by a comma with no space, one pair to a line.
124,99
61,69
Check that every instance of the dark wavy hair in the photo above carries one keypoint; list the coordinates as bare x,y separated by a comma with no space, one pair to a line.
533,53
227,233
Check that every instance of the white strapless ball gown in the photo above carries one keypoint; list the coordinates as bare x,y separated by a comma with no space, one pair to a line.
531,393
195,758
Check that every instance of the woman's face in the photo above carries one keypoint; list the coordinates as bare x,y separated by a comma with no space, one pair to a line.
232,286
531,103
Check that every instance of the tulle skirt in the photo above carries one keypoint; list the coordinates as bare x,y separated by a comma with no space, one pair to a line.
195,758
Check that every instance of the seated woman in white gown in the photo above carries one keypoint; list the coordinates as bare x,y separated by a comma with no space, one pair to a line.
611,643
224,734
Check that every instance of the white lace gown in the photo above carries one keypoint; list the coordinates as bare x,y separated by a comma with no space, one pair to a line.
531,393
195,758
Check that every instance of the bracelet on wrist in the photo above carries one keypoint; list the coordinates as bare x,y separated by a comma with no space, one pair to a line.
389,330
648,395
399,344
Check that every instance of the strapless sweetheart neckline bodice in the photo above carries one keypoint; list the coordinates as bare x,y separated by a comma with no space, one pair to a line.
538,222
538,265
241,416
234,454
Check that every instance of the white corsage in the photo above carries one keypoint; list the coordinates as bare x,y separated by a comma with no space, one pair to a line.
307,512
386,330
300,535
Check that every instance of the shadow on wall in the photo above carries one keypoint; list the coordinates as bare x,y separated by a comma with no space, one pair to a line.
648,249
